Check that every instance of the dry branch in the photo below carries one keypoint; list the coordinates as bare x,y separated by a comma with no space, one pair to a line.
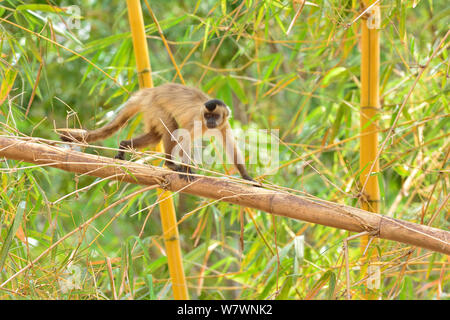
271,201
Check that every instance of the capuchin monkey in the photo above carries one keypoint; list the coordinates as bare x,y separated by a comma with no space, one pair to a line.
165,109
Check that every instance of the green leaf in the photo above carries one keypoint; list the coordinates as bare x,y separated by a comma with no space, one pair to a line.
275,60
284,293
156,264
337,122
280,23
259,17
237,89
328,276
223,5
224,93
11,233
205,36
40,7
151,290
331,285
332,74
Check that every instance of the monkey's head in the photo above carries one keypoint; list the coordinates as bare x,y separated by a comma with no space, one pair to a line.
215,114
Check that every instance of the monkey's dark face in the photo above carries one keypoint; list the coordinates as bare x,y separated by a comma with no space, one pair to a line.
212,120
214,113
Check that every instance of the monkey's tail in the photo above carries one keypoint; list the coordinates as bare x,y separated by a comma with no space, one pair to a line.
104,132
124,115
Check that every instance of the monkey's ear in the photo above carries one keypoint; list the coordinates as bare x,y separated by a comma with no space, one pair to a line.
229,112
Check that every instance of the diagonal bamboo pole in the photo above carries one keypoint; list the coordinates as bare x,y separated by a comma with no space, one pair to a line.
168,215
369,113
271,201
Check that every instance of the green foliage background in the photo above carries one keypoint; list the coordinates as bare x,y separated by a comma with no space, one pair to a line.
305,83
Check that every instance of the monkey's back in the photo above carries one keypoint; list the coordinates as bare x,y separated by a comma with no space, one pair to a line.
169,102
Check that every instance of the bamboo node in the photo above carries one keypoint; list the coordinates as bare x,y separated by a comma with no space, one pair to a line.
370,108
375,232
146,70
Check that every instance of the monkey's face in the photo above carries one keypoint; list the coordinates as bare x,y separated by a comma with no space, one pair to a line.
215,113
212,120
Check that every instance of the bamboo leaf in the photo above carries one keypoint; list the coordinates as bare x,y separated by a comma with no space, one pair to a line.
319,284
332,74
11,232
206,34
40,7
237,89
223,5
151,290
7,84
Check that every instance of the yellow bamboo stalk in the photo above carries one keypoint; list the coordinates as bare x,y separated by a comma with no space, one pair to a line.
370,78
140,44
168,216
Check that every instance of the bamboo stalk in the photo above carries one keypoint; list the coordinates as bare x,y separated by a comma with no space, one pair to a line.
370,64
144,69
369,113
271,201
168,215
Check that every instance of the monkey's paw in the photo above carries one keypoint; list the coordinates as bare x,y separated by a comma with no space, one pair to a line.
120,156
185,173
255,184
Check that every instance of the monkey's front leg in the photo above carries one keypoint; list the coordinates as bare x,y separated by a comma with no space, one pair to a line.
185,171
235,154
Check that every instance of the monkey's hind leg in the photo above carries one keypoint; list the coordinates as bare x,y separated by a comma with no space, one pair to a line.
150,138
